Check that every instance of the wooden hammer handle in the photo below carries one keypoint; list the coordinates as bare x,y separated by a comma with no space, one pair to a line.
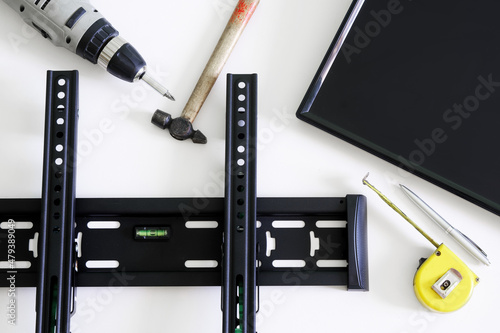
237,23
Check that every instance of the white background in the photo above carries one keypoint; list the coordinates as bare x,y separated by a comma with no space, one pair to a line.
284,43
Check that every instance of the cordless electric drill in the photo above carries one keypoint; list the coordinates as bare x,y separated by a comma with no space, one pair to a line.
77,26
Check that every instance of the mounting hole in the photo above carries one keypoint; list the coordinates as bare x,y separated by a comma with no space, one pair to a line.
241,162
59,161
57,215
57,202
241,136
59,134
57,188
241,97
58,174
241,109
61,82
240,215
240,175
56,230
60,121
68,40
241,123
59,148
240,188
241,149
21,9
61,95
60,108
240,202
241,85
240,228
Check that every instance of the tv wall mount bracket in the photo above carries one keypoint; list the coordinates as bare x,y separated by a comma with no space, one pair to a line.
239,242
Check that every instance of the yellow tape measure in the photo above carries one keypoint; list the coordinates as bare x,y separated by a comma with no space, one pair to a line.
443,283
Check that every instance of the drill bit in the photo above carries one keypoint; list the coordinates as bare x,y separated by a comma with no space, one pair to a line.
157,86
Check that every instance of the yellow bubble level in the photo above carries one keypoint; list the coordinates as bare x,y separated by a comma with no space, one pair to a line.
152,233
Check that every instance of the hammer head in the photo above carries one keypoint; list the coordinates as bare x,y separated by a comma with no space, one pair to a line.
180,128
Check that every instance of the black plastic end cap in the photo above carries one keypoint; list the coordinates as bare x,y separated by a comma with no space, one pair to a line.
126,63
358,277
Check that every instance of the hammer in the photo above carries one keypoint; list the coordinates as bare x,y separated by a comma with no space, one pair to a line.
181,128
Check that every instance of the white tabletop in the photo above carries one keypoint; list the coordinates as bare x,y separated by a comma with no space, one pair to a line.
122,155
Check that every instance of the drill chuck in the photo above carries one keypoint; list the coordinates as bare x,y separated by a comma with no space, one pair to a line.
122,60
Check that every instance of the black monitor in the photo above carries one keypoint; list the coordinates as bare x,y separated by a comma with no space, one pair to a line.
417,83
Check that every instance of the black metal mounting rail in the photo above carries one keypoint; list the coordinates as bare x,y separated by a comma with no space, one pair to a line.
288,230
240,238
57,229
178,241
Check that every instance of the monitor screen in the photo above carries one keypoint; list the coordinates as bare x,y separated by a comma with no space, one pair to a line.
418,84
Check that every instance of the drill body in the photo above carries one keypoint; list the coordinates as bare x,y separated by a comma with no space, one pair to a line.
63,22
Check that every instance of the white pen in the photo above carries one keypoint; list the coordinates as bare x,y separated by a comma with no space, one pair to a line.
463,240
